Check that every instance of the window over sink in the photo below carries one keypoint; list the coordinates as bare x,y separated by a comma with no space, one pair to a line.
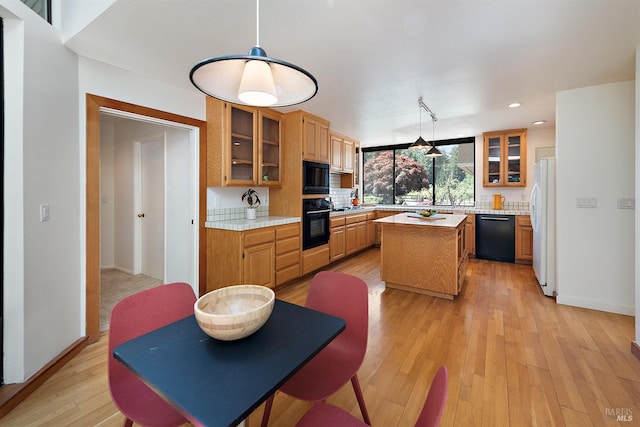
397,175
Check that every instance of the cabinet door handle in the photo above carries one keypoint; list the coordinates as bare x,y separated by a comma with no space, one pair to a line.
140,215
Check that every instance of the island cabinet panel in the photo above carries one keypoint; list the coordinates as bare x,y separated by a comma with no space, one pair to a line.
428,257
524,240
471,234
378,227
266,256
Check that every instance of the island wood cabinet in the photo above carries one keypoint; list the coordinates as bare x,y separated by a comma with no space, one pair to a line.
524,239
423,256
315,138
267,256
505,158
471,234
243,145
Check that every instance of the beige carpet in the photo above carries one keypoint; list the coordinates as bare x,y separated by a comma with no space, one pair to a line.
116,285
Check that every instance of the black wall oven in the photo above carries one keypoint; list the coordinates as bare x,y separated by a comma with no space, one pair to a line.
315,178
315,222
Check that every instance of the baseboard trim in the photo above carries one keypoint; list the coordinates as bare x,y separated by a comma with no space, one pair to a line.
635,349
12,394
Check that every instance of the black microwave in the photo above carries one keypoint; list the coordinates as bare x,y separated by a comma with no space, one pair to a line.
315,178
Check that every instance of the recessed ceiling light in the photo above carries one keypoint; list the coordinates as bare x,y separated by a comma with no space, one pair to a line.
539,122
514,105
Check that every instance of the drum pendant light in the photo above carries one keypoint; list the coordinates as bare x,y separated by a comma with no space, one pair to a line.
254,79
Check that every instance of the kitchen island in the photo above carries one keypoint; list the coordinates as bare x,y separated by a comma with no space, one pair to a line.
424,255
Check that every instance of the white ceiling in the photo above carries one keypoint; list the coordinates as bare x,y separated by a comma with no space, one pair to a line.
468,59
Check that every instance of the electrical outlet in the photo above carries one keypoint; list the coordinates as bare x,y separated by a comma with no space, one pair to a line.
626,203
586,202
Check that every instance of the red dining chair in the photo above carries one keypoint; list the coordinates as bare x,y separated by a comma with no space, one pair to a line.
343,296
323,415
133,316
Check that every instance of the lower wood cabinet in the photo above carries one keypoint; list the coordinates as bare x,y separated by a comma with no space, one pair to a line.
266,256
524,239
315,258
337,238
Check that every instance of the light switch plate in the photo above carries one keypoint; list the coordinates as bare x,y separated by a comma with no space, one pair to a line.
44,212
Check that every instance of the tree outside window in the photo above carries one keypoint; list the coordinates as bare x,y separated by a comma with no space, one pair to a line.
397,175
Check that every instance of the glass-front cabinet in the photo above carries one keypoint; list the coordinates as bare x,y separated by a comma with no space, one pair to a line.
505,158
242,125
270,153
243,145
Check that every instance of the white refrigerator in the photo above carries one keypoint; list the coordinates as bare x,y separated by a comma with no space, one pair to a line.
543,222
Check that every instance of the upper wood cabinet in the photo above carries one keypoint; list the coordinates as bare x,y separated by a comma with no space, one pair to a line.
315,139
243,145
343,153
505,158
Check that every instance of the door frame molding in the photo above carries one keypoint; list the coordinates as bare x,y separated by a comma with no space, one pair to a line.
94,103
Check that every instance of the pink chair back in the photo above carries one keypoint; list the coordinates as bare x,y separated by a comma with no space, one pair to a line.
134,316
436,399
345,296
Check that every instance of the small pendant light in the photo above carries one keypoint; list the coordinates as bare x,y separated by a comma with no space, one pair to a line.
254,79
420,143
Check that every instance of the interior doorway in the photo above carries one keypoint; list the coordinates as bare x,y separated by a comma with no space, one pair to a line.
95,105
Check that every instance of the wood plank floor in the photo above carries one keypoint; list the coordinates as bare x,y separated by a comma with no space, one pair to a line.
515,358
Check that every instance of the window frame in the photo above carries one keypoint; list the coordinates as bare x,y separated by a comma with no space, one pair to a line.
432,179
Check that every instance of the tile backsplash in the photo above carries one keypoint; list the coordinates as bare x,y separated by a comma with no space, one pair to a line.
226,214
340,196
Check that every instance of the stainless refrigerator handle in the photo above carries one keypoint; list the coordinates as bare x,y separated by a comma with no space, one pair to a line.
317,212
490,218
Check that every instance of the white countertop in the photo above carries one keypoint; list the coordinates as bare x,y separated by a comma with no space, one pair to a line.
249,224
440,220
269,221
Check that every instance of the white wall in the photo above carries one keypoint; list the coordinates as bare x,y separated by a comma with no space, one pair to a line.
42,279
536,138
596,150
45,150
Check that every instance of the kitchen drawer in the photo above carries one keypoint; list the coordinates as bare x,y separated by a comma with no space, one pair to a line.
352,219
288,245
256,237
286,260
287,274
285,231
336,221
371,216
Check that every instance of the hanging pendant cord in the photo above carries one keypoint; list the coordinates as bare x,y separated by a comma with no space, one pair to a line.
258,23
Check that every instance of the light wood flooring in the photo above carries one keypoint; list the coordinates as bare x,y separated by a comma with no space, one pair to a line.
515,358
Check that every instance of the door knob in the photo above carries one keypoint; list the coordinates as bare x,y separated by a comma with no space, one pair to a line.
140,215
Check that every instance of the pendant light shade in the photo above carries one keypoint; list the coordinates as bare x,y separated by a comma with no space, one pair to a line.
254,79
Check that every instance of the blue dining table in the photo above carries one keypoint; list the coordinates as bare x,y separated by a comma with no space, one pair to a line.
219,383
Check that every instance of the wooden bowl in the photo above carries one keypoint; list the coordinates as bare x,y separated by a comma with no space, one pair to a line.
234,312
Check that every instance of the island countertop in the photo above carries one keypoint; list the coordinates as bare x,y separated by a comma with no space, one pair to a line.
409,218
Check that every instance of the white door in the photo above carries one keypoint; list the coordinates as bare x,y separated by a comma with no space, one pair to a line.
152,212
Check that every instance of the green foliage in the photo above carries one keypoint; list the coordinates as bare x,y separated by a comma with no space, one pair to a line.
252,198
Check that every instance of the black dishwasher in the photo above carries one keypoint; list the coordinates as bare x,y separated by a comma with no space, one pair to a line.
496,237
